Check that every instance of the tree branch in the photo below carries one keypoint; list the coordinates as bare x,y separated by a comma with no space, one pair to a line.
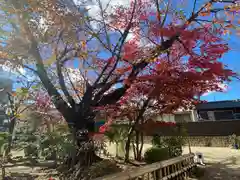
121,40
103,21
63,84
194,6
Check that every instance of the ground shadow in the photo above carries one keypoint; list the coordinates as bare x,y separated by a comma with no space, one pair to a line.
221,171
20,176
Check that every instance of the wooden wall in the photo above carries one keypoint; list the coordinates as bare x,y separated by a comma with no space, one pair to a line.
206,128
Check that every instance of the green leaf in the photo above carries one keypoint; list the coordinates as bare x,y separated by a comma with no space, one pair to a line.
37,86
18,90
24,90
26,15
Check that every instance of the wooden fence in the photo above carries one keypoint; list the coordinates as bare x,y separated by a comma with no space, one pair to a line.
176,168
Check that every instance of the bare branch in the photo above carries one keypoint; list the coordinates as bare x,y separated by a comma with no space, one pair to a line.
103,21
194,6
125,34
63,84
121,40
157,7
165,16
205,20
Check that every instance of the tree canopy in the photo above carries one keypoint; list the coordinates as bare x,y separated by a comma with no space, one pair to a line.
147,48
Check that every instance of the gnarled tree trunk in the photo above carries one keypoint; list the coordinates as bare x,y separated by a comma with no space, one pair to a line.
82,128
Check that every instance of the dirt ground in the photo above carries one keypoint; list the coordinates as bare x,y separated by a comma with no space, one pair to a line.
221,164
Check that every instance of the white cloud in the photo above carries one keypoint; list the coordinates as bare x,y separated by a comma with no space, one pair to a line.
224,88
93,7
74,74
108,5
12,72
10,69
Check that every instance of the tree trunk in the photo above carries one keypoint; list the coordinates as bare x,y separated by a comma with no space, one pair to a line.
128,143
127,149
134,150
139,155
10,137
133,127
139,145
85,153
117,147
142,143
85,148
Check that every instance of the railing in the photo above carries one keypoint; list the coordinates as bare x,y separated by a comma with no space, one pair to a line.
176,168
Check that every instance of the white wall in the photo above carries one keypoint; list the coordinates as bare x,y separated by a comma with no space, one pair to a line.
185,116
166,117
111,148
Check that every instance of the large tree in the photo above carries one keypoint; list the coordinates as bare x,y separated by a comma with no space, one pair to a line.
115,48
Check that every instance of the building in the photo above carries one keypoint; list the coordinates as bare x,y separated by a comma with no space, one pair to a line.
210,111
219,110
178,116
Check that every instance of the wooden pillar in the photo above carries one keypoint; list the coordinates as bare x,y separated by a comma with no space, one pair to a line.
158,174
164,171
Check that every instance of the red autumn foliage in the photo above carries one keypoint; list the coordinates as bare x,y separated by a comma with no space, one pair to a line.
106,126
174,79
43,101
130,50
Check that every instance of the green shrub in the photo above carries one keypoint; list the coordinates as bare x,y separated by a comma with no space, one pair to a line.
31,150
56,145
235,140
157,141
174,145
156,154
3,141
27,141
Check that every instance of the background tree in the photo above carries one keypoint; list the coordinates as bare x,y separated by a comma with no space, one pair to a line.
19,103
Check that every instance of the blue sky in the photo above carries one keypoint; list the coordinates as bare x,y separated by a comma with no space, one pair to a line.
232,60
